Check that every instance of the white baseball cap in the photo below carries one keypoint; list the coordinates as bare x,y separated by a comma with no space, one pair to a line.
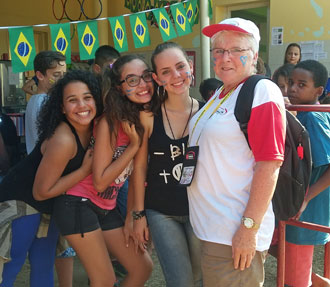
233,24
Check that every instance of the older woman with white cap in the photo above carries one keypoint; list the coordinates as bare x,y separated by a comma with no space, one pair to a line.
230,194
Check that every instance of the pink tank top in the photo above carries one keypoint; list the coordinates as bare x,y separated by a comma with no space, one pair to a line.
106,199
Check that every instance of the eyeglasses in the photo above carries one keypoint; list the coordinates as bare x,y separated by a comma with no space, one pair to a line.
218,52
134,80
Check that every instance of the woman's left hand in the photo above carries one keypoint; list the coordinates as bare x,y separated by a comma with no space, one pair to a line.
130,130
244,247
129,233
128,230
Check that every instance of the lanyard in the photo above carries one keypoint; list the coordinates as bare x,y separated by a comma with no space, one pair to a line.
206,109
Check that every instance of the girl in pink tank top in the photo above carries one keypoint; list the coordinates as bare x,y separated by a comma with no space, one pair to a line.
89,218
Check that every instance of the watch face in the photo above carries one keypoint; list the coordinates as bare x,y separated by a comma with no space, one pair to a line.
248,222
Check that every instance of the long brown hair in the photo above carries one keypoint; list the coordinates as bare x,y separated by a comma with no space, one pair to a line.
117,106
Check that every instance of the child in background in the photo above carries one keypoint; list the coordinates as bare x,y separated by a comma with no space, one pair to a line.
49,67
281,78
105,56
208,87
306,85
292,54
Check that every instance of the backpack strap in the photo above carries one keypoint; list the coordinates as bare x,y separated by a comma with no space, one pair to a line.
244,103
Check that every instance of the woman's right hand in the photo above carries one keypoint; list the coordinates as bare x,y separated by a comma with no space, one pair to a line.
86,165
130,130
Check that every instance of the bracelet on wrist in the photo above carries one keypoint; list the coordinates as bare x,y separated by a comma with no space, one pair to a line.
138,214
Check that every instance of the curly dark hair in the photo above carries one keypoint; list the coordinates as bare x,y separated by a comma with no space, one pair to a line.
51,114
117,106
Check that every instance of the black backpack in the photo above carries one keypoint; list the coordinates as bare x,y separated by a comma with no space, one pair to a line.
295,172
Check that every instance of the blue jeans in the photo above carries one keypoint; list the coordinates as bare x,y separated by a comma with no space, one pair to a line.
41,252
178,249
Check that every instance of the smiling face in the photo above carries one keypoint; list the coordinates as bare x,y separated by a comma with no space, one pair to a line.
233,67
144,90
301,88
78,104
292,56
173,71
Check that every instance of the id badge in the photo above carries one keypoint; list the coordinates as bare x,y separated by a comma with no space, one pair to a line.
189,165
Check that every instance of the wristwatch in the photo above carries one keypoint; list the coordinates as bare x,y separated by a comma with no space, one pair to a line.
249,223
138,214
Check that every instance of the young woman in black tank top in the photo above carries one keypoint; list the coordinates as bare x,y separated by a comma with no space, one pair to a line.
159,163
58,161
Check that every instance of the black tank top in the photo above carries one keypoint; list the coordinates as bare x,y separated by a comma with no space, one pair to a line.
163,193
18,183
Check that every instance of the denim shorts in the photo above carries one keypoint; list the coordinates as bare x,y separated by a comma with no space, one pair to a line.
74,214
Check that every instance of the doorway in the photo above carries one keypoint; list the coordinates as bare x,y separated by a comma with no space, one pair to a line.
260,17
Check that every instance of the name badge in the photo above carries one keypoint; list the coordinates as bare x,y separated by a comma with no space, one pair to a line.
189,165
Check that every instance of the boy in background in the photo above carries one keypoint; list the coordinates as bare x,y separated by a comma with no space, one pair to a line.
306,84
105,56
208,87
49,66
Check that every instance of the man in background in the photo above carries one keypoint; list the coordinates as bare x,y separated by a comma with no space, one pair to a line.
49,66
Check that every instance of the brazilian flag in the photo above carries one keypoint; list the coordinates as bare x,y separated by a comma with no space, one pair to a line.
180,19
164,23
88,39
140,30
190,11
22,48
196,14
210,9
119,33
60,35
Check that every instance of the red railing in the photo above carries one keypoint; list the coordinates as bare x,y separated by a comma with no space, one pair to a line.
282,224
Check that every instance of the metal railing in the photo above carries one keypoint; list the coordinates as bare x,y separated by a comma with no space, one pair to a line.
308,225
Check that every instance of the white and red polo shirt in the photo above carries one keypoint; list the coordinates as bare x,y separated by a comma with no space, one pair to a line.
220,189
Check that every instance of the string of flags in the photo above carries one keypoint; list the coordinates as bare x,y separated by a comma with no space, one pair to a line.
22,47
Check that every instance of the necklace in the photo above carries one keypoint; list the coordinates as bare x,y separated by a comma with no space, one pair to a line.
169,124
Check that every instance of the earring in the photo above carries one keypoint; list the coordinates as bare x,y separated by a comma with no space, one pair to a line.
192,83
158,92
